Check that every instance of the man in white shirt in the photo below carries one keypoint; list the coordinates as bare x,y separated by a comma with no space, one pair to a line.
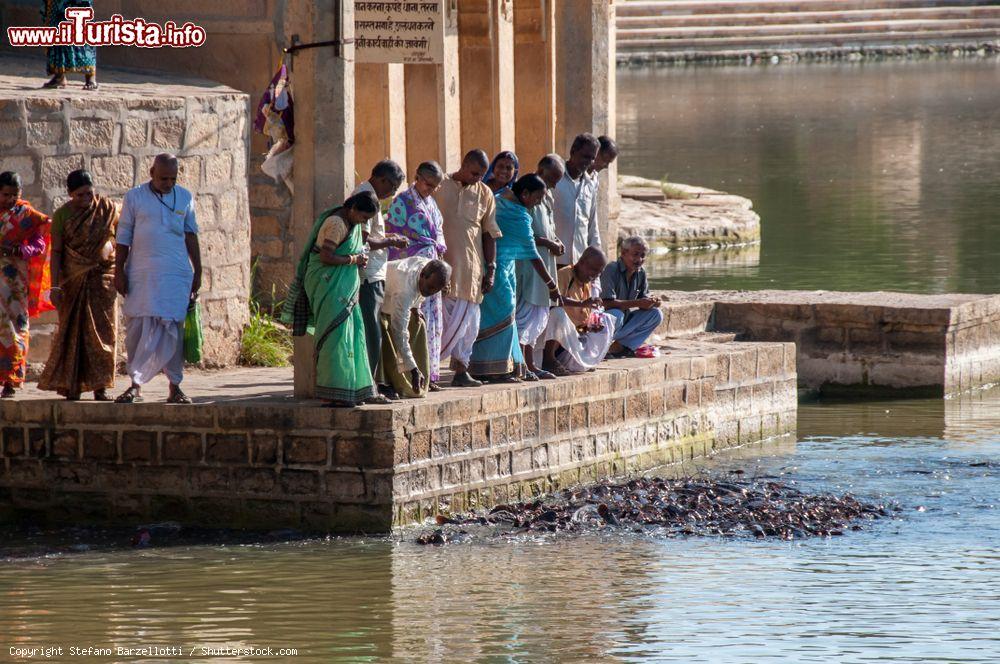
405,361
385,179
606,154
158,272
575,201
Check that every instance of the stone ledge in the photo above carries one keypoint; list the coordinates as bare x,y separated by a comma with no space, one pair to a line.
708,219
876,343
247,455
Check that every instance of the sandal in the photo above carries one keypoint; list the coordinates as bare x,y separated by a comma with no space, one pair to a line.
507,379
101,395
558,370
434,387
90,85
131,395
529,376
54,83
545,375
8,392
178,397
377,400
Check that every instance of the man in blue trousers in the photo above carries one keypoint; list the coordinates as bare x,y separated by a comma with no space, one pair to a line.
625,291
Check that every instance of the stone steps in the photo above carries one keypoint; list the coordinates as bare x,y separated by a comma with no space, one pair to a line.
630,26
793,42
740,27
633,8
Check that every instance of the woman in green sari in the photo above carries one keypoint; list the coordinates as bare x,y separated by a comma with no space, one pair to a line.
323,301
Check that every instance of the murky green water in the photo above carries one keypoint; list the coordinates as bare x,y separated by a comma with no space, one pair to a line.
922,588
866,176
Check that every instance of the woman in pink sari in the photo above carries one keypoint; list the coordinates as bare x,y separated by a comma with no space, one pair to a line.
414,214
24,278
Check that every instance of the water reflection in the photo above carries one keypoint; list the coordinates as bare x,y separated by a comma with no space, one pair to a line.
866,176
663,267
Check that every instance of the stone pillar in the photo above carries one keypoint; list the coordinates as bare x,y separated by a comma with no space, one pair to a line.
380,116
433,108
534,80
324,128
486,48
585,89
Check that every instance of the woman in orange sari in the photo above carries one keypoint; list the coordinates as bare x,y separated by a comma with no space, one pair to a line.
24,278
82,358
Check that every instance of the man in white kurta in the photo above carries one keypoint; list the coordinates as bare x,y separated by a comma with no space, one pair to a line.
575,201
158,271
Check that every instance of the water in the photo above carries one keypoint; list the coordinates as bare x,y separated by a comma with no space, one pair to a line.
925,587
813,146
866,176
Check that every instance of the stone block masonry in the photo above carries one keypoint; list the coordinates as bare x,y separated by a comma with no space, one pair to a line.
262,461
861,344
115,134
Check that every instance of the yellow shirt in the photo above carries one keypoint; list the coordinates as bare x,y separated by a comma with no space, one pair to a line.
334,229
468,212
571,287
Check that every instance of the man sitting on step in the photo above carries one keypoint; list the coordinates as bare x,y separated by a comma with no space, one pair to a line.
625,292
578,333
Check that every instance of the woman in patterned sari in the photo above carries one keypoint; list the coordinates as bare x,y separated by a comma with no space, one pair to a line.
24,278
496,355
415,215
63,60
82,358
323,300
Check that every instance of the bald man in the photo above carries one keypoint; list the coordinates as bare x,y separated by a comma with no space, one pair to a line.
158,272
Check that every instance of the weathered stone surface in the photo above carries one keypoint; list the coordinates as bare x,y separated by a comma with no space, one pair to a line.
91,133
115,173
44,132
23,165
873,342
708,218
168,133
134,132
246,442
55,170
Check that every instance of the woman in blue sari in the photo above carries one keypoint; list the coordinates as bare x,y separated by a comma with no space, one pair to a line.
496,355
502,173
63,60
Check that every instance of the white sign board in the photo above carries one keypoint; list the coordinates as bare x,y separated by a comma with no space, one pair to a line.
406,32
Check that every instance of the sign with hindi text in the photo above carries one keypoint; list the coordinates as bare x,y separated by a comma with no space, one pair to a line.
406,32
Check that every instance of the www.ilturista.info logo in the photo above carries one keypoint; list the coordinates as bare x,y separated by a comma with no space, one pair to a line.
80,30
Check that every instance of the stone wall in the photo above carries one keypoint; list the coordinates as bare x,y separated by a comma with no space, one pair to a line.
268,463
864,343
46,134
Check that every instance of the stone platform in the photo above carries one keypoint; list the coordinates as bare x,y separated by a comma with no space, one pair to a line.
248,454
706,219
115,132
858,344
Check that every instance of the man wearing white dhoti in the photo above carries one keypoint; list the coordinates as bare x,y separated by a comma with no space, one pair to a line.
470,233
158,271
578,333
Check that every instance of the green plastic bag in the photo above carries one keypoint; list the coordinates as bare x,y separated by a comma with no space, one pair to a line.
193,338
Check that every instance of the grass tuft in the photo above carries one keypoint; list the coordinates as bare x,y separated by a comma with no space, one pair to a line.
672,191
266,342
